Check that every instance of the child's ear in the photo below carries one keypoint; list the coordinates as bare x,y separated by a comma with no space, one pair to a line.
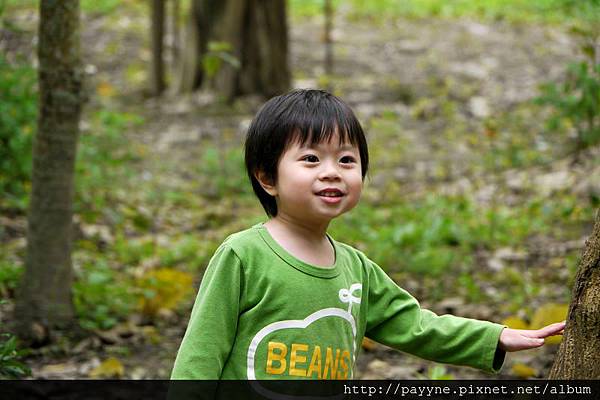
266,183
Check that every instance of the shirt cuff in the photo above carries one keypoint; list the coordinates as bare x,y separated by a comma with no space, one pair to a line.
494,357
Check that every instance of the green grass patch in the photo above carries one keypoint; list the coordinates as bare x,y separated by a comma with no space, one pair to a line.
18,123
10,275
104,159
544,11
87,6
221,172
102,296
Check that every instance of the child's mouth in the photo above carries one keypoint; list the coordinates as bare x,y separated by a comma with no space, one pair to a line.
331,195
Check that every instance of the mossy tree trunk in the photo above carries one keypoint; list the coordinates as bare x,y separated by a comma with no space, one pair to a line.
579,353
44,300
256,31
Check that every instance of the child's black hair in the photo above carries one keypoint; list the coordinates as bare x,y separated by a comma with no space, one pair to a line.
306,116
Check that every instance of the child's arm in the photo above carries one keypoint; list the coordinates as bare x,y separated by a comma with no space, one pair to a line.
395,319
213,323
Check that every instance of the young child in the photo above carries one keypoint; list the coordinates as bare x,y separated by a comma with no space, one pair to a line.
284,300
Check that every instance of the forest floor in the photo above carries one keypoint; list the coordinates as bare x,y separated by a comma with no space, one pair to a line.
447,105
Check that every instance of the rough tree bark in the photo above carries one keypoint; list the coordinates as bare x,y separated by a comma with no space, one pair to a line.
44,300
579,353
256,30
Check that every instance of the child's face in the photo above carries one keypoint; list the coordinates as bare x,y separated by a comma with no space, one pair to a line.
318,183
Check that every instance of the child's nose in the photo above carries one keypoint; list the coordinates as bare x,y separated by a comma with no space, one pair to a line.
330,171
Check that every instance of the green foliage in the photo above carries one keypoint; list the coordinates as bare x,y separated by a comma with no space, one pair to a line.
10,275
576,102
9,5
187,250
224,172
131,251
101,6
512,10
102,296
10,365
309,8
18,113
104,156
217,54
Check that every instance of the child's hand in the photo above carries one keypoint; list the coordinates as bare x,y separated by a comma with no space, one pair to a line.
523,339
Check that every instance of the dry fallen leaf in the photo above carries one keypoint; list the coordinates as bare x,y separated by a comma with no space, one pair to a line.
110,368
523,371
164,288
368,344
105,89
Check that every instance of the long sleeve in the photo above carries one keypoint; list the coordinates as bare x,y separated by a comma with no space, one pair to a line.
213,323
396,320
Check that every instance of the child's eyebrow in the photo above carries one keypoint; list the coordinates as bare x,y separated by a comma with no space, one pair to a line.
308,146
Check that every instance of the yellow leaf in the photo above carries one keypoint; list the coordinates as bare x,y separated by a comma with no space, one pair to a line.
105,89
163,288
549,314
368,344
523,371
515,323
110,368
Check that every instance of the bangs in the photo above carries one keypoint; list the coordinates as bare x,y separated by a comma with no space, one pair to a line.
324,133
321,121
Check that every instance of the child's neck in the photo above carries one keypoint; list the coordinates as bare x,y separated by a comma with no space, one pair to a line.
303,241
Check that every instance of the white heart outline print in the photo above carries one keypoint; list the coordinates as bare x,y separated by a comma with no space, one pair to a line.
345,296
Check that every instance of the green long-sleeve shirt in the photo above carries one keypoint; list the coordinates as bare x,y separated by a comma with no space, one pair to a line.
261,313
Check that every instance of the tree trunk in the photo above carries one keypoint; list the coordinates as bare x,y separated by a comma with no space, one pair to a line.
44,300
328,14
579,353
175,33
256,31
158,34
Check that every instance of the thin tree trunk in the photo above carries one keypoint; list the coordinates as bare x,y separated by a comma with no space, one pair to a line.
579,353
328,13
158,34
187,71
175,33
44,300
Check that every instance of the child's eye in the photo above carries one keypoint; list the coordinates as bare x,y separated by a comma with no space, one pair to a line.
347,160
310,158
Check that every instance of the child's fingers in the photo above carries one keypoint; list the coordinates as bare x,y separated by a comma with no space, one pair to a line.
550,330
529,343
